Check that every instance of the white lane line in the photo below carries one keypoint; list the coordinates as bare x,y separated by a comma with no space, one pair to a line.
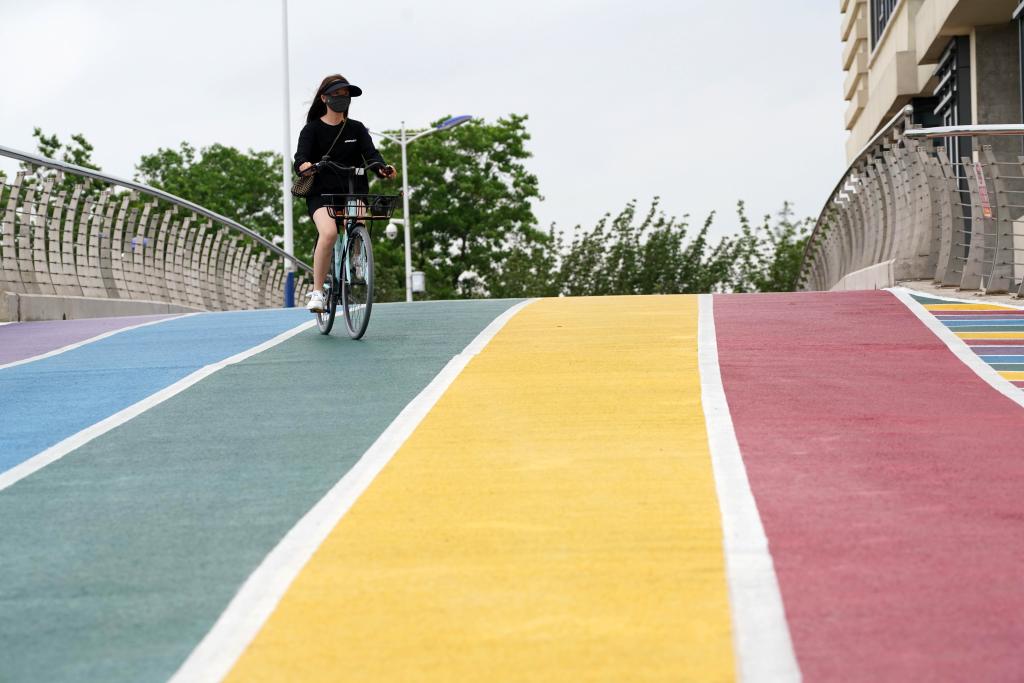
90,340
244,616
59,450
764,650
960,348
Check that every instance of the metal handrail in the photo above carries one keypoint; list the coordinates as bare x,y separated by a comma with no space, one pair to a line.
166,196
996,129
900,116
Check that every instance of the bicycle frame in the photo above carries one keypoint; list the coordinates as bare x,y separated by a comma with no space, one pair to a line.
341,244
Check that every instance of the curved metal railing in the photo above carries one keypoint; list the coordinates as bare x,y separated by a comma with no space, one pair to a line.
850,233
912,207
78,232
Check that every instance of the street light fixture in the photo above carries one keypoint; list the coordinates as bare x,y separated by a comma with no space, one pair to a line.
403,141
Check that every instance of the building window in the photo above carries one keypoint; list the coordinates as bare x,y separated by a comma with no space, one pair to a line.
881,13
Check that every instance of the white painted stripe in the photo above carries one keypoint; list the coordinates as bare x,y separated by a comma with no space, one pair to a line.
245,615
959,348
90,340
59,450
764,650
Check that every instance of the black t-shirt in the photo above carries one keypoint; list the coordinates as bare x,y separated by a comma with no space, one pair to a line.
354,148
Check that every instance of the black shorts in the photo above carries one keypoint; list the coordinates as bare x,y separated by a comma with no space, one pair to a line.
314,202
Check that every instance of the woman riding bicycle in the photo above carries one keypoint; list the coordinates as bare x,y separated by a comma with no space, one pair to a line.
329,132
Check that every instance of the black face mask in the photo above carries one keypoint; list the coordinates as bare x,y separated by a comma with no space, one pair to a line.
339,103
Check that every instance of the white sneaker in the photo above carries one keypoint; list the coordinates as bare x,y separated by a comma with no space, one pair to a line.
316,301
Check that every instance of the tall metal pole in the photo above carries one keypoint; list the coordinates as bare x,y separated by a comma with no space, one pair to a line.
286,172
407,217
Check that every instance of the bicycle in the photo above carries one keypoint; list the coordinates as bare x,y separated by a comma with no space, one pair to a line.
350,278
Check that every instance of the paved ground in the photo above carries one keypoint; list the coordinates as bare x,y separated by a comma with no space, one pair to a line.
551,500
888,477
929,288
25,340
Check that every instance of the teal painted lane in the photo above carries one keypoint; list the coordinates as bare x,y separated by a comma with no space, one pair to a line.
48,400
116,560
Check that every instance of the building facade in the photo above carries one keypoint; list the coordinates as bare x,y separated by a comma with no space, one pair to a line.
957,62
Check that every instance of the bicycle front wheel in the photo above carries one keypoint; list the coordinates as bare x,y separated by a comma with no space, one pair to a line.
325,320
357,281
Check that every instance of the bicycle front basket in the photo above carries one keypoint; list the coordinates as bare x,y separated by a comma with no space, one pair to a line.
381,205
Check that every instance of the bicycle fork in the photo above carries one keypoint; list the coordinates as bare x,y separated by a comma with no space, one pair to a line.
341,260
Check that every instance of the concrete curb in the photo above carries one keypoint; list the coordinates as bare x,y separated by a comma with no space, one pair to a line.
15,307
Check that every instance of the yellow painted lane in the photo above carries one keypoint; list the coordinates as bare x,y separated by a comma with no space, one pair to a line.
990,335
967,307
553,518
1013,375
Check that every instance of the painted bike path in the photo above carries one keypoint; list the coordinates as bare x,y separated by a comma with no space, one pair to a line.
46,401
554,517
888,477
995,334
118,559
19,341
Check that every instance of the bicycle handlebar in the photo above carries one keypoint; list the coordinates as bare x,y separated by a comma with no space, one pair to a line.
354,170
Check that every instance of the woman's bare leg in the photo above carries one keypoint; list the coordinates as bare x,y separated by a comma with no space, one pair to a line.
327,230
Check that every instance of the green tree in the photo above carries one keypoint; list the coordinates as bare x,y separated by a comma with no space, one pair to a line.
474,229
243,186
653,256
530,268
767,256
78,151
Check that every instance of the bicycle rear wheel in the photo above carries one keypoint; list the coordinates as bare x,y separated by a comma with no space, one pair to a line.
325,320
357,281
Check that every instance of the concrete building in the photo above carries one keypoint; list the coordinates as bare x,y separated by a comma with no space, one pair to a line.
957,62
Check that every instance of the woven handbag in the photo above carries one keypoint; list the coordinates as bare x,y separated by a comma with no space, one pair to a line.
304,183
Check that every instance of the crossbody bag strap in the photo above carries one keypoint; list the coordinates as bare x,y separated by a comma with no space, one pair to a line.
327,154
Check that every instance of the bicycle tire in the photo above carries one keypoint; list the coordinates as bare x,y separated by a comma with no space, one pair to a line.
357,281
325,320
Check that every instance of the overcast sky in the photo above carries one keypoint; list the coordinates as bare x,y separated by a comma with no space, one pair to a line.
702,102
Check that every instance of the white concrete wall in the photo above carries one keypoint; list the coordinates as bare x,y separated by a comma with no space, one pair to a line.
25,307
878,276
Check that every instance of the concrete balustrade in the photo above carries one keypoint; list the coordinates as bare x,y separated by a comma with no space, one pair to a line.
76,243
905,210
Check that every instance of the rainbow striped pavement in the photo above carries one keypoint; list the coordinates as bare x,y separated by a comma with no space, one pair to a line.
994,333
778,487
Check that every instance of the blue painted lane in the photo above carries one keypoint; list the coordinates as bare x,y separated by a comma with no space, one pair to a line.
984,323
1002,359
44,402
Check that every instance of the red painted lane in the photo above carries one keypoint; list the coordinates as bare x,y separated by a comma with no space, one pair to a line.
994,342
889,478
19,341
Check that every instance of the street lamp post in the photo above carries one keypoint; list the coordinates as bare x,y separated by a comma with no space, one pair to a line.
286,174
403,141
